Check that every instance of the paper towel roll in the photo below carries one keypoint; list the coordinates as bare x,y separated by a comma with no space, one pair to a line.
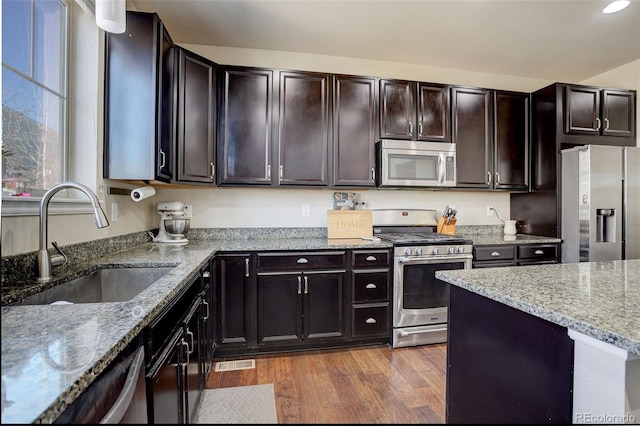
143,192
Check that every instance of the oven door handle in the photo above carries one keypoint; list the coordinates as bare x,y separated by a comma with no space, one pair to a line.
438,259
405,333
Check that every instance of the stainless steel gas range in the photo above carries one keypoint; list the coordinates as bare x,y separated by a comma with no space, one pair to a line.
420,301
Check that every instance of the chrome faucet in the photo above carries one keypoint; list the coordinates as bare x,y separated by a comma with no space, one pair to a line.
45,261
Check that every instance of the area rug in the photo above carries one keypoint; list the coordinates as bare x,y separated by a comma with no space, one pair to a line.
242,404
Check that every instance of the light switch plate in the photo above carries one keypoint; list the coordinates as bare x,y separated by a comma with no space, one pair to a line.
188,211
306,210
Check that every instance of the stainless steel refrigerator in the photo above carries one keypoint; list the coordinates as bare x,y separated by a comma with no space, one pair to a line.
600,203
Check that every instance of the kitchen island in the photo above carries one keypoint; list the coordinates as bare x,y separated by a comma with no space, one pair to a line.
572,329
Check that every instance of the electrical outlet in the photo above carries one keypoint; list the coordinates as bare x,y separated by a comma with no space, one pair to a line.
489,210
306,210
114,212
188,211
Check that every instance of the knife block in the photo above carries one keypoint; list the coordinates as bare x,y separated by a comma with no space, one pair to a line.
449,229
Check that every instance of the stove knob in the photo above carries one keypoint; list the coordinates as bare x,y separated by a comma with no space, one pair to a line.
419,252
408,252
435,250
451,250
460,249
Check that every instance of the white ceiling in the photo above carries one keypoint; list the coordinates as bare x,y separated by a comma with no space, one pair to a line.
559,40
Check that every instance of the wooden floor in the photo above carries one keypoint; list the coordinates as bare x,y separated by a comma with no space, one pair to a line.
369,384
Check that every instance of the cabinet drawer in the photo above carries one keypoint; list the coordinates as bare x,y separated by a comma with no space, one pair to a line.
494,253
370,286
370,320
302,260
370,258
542,252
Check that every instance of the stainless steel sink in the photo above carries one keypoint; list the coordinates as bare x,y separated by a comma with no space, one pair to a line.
101,286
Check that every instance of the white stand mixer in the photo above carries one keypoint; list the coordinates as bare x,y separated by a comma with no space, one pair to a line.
171,211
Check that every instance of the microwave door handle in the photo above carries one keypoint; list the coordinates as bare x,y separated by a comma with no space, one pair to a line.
442,162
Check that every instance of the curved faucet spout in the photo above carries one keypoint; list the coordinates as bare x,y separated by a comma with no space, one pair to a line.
43,258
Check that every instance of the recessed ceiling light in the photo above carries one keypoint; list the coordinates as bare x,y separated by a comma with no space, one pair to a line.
616,6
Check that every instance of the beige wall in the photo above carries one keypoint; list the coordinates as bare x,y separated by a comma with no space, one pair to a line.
281,207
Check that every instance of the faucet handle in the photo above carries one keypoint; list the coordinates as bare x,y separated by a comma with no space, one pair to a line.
58,259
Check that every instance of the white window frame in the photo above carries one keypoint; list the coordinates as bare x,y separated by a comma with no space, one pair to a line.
71,202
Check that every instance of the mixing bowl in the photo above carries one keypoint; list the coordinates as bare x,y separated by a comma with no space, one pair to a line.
177,227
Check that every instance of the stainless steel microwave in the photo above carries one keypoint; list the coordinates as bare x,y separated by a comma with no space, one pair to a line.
415,164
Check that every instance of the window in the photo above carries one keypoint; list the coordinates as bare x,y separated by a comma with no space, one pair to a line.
34,95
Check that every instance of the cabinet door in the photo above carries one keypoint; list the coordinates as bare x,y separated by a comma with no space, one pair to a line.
196,118
166,383
303,129
618,113
433,112
354,107
279,307
234,321
244,147
323,305
472,134
511,161
139,86
397,109
208,318
582,110
194,373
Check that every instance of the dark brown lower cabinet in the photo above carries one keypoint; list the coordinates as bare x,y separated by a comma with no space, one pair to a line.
298,307
504,365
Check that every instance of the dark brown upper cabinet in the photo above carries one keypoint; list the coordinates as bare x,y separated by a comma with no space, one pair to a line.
303,129
139,136
599,112
511,140
491,133
354,131
196,105
472,123
245,123
414,111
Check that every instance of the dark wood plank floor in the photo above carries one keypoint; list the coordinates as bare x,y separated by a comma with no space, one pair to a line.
369,384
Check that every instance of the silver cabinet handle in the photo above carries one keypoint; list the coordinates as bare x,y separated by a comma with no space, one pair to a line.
495,253
190,351
371,259
302,260
281,172
606,124
371,286
373,174
420,129
162,156
206,274
497,178
246,267
213,170
207,305
299,284
410,128
306,285
183,343
269,172
539,252
370,321
489,175
597,123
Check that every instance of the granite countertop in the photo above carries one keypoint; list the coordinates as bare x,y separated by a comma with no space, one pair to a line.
50,354
599,299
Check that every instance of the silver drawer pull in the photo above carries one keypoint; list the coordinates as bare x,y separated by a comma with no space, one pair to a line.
371,321
371,285
539,252
495,253
302,260
206,274
371,258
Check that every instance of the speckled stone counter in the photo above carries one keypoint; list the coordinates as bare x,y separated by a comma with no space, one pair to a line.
50,354
598,299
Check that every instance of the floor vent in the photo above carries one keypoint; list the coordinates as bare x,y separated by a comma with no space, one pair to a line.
241,364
